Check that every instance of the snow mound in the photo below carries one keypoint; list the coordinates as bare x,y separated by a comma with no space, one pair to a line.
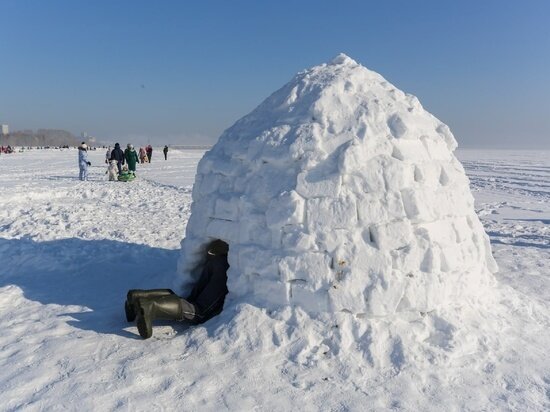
340,193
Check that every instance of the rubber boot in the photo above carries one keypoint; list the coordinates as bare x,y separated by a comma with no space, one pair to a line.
149,309
134,294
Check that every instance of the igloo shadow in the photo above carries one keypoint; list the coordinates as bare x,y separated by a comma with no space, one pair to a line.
340,193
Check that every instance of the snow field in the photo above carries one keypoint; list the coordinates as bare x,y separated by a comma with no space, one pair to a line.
65,343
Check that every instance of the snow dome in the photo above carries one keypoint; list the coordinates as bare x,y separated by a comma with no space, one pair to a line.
339,193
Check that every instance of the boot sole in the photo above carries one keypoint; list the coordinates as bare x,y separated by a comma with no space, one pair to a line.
130,313
144,331
130,298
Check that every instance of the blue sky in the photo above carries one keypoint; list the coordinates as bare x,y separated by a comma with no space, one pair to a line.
183,71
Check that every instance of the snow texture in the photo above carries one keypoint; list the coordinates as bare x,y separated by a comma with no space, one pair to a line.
70,250
340,194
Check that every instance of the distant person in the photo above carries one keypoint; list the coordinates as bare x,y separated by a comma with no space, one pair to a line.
143,155
205,301
165,151
108,156
118,155
83,162
149,151
131,157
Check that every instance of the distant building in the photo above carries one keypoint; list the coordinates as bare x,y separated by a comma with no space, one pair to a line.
84,135
4,130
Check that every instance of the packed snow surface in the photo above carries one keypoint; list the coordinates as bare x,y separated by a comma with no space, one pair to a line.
71,249
340,193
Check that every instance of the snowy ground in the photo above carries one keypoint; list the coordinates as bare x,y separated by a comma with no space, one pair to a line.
69,251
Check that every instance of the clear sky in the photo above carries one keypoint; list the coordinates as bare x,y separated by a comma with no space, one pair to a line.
183,71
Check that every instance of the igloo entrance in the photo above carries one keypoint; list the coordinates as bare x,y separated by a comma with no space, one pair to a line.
209,291
340,193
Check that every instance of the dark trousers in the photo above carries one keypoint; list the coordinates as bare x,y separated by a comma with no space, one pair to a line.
190,312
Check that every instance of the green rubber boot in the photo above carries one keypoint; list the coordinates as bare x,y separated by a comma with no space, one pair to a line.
148,309
134,294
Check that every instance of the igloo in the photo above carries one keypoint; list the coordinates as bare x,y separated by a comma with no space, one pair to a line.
339,193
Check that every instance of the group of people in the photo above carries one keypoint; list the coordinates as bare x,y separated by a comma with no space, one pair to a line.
145,154
127,157
6,149
116,159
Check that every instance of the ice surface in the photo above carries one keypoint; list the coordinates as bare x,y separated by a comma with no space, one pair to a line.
350,192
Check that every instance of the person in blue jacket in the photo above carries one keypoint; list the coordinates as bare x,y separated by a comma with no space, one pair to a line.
83,162
118,155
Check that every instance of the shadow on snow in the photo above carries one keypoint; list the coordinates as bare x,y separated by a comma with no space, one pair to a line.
521,240
91,273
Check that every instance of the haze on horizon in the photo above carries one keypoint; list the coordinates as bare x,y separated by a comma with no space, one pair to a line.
182,72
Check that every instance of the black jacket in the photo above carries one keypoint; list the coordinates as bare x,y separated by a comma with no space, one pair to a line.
208,294
117,154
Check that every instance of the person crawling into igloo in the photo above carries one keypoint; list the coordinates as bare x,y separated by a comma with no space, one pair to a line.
204,302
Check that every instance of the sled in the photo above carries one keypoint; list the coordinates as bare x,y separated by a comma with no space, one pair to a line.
126,177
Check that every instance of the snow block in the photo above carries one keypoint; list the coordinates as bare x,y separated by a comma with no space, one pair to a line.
373,175
294,238
258,261
373,208
440,232
223,229
352,158
312,301
209,183
420,204
451,259
410,150
254,230
285,209
398,127
331,213
397,174
342,298
331,240
313,269
385,294
393,235
408,258
226,208
268,293
310,188
437,148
